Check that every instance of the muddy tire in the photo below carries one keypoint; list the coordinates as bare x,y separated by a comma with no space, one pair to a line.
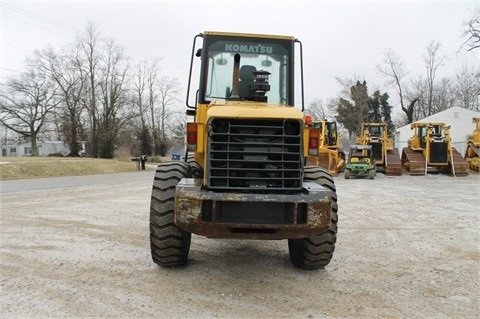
316,252
195,169
169,244
371,174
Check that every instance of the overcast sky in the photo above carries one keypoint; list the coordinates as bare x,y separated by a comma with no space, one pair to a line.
340,38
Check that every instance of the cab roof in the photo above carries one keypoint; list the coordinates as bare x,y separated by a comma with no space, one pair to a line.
249,35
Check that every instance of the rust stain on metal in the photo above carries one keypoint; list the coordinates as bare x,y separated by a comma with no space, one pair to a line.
190,211
217,220
319,215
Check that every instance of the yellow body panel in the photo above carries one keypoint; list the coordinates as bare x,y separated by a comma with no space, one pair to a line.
329,154
241,109
385,155
475,136
254,110
414,142
472,153
431,147
366,138
250,35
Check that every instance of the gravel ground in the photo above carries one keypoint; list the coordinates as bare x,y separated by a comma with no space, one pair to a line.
408,247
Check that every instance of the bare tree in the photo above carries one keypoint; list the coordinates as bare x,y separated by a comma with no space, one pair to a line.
139,88
347,83
417,92
153,72
471,31
444,95
433,60
177,127
145,82
140,99
105,67
146,88
410,109
467,87
316,110
168,95
395,70
169,89
88,46
112,113
64,68
25,103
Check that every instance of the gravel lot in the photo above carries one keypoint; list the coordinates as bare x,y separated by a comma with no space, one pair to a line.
408,247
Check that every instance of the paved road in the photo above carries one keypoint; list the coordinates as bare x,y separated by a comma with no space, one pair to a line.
25,185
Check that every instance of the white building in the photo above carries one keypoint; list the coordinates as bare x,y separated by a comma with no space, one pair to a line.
44,149
459,119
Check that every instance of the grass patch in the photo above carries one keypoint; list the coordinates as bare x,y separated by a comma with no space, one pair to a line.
37,167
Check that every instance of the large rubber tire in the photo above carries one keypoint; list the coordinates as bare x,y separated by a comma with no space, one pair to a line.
316,252
371,174
195,169
169,244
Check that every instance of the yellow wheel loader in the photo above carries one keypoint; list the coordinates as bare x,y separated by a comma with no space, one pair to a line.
472,153
430,150
244,174
330,153
385,155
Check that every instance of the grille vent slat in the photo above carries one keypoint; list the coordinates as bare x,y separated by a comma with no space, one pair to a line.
260,155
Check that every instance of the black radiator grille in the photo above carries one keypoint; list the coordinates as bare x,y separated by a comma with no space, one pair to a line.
439,152
377,151
254,155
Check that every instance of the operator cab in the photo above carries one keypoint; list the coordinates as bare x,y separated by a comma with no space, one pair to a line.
246,68
331,133
360,154
375,130
435,133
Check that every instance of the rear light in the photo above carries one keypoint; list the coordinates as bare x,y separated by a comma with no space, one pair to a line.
308,120
313,141
191,136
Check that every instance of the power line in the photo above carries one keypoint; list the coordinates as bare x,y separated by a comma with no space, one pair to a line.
7,69
40,18
16,47
33,25
62,27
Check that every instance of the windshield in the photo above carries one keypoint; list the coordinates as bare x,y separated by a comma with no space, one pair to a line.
375,130
234,71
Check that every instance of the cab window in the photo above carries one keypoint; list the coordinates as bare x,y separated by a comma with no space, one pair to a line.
234,63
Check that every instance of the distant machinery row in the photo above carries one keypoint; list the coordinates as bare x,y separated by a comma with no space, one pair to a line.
429,149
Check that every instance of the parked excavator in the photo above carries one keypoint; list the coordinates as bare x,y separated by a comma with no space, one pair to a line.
385,155
430,148
330,149
472,153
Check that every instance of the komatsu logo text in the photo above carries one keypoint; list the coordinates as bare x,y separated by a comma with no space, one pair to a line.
247,48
